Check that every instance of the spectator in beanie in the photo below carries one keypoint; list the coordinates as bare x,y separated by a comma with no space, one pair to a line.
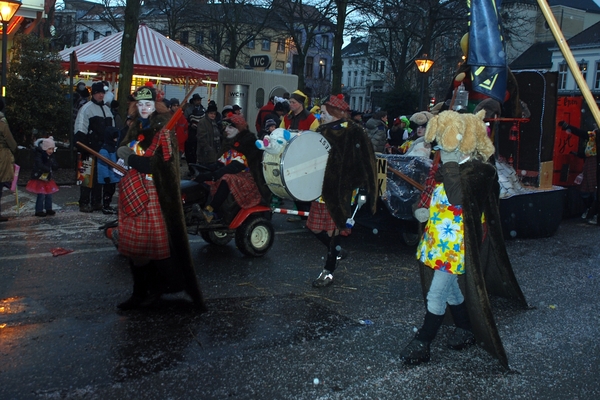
270,126
92,120
299,118
194,114
209,138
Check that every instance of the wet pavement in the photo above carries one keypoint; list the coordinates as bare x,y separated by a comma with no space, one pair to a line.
268,334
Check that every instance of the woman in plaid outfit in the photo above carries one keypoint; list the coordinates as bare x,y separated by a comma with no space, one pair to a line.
152,231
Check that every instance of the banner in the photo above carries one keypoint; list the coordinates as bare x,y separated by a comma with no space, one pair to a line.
486,55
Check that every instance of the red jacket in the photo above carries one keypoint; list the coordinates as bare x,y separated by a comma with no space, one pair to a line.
181,131
262,113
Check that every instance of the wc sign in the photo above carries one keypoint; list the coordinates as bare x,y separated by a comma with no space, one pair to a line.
260,61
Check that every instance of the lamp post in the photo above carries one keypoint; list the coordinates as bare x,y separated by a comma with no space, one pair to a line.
423,65
8,9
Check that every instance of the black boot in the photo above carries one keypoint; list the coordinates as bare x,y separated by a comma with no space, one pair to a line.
153,283
140,289
463,335
417,351
333,249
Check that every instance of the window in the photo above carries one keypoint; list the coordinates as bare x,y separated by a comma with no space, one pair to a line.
84,37
107,33
266,45
199,38
213,36
597,79
324,41
96,35
281,46
309,67
362,81
374,66
250,44
583,67
562,76
184,37
355,77
349,79
382,66
69,19
322,68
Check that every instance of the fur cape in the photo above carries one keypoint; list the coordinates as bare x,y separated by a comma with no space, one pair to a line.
244,142
166,177
487,267
350,165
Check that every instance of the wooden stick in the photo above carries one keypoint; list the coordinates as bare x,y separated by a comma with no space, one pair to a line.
407,178
102,158
568,55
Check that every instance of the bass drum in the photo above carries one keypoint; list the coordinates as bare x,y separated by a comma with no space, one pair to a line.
297,172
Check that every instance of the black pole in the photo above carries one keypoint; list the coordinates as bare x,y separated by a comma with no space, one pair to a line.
421,108
4,55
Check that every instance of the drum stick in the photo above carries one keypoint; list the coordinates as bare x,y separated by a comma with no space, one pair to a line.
102,158
407,178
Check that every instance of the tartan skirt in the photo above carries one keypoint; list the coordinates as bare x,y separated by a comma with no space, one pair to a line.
144,235
242,187
319,218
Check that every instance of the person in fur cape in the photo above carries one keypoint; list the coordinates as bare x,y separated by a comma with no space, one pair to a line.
462,255
350,165
152,231
237,171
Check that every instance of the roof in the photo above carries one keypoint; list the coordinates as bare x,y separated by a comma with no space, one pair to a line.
154,54
538,56
358,47
589,37
586,5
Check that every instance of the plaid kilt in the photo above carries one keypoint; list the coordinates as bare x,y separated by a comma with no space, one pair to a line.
588,185
319,218
144,235
242,187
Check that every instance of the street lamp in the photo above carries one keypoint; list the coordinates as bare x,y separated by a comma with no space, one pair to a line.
423,65
8,8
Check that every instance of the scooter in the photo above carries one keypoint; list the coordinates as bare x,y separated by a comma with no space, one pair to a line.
251,227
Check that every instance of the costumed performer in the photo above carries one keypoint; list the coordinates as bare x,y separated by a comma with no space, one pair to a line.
152,230
237,171
350,165
462,255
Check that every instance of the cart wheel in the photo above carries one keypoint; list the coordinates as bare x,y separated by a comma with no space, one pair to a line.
411,239
255,236
219,238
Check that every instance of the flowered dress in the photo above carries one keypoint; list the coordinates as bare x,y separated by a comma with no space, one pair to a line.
442,246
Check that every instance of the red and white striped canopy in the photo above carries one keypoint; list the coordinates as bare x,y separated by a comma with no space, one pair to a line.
155,54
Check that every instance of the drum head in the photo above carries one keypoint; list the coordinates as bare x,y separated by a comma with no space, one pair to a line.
303,163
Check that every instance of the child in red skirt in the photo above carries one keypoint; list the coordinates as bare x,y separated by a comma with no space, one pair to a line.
41,181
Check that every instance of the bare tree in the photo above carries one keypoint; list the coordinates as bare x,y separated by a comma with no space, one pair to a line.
303,23
408,29
175,15
225,29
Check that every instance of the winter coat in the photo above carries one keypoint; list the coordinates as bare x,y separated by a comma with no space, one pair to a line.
376,130
8,146
304,121
209,141
92,119
42,162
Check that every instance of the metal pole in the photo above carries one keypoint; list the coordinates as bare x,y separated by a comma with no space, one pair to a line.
421,108
4,55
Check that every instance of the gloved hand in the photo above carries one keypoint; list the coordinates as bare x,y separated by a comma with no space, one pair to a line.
447,156
107,180
124,152
203,177
422,214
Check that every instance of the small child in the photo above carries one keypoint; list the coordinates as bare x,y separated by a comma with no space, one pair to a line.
41,181
106,175
270,126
